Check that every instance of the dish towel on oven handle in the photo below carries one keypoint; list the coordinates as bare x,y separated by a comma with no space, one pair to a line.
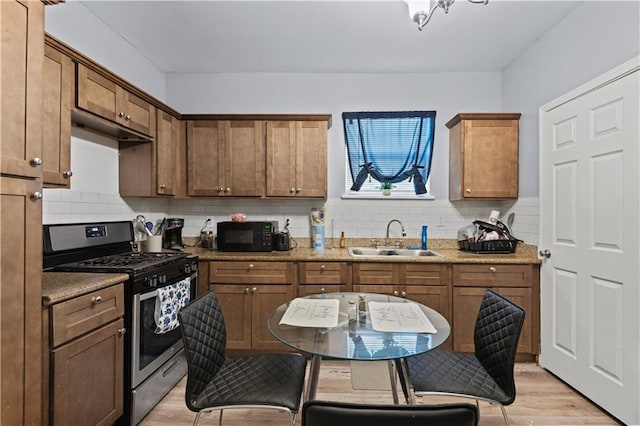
169,301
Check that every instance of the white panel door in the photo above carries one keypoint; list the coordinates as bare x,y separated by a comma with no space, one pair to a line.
589,222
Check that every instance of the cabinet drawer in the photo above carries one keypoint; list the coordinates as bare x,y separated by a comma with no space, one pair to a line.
375,273
498,275
241,272
323,272
84,313
425,274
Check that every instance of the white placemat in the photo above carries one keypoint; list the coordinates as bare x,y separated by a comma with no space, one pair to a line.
312,313
399,317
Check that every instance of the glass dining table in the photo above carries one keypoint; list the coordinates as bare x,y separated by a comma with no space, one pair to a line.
358,340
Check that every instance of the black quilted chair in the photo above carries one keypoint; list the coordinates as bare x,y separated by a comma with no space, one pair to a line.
486,375
324,413
215,382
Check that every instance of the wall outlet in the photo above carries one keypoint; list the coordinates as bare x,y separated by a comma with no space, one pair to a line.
441,221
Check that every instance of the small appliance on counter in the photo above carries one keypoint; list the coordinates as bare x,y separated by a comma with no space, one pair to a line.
172,235
281,241
246,236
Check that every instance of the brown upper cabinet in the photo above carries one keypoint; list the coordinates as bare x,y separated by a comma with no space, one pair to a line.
297,159
21,58
57,102
155,168
225,158
103,97
483,156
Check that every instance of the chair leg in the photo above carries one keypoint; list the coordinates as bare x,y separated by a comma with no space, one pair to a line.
504,414
197,419
394,383
220,418
293,418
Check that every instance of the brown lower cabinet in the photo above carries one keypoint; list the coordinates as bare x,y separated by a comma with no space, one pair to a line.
84,341
248,292
518,283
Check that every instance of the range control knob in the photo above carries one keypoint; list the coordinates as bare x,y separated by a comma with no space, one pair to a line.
186,269
152,281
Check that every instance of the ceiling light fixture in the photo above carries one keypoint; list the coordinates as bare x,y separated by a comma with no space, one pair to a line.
421,17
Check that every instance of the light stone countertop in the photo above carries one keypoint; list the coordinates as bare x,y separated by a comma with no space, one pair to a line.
525,254
60,286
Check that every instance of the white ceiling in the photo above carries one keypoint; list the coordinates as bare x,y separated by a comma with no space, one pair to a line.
327,36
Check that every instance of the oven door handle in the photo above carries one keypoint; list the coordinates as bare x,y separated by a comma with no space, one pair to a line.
144,296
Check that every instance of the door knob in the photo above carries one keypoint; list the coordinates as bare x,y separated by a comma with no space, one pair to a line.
544,253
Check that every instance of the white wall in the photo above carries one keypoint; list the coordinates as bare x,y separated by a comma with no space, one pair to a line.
74,24
594,38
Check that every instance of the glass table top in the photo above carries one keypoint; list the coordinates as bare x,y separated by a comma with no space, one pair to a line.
358,340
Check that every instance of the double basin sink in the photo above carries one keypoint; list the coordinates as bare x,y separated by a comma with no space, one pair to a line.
389,252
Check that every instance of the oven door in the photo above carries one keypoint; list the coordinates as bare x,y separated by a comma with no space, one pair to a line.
150,350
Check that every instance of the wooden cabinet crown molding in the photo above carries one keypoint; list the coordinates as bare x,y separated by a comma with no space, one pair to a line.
261,117
482,116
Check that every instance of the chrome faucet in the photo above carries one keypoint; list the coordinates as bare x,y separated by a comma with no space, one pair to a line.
387,242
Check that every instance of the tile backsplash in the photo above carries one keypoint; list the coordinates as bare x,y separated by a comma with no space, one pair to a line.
357,218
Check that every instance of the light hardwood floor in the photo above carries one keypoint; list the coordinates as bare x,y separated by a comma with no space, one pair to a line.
542,399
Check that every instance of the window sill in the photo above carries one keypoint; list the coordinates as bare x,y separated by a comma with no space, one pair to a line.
379,196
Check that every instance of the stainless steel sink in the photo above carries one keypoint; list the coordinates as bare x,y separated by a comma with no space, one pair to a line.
389,252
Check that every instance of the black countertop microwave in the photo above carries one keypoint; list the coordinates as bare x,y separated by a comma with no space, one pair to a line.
246,236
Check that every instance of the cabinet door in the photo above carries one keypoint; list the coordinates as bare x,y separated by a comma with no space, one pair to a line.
435,297
205,158
244,158
466,304
57,101
20,301
281,158
235,302
311,159
135,113
391,290
21,62
97,94
414,274
166,153
88,378
265,299
498,141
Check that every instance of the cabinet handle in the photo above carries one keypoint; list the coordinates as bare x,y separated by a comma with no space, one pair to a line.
96,299
163,186
322,290
221,189
36,196
395,292
254,289
322,268
298,190
492,269
246,290
251,266
227,190
122,331
67,174
292,190
127,117
36,161
468,191
121,114
404,294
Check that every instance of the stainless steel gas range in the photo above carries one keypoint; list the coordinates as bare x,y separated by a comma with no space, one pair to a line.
154,359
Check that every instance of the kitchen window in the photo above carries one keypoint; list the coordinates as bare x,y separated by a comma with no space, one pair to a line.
388,150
